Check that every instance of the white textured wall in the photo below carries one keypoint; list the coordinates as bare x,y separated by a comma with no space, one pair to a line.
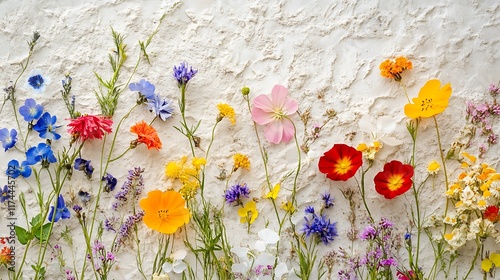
329,48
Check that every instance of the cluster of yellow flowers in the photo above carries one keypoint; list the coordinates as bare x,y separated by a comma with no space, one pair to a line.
476,197
187,174
369,151
241,161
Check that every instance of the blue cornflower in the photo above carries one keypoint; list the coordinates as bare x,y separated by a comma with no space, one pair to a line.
408,236
161,107
30,110
4,194
309,210
41,153
61,212
14,169
7,138
146,88
36,81
110,182
46,127
321,227
84,165
327,199
84,197
184,73
235,193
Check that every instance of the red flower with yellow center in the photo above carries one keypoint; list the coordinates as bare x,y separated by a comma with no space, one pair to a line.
394,180
491,213
341,162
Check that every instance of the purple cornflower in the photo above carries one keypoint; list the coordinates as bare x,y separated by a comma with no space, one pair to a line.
161,107
309,210
110,182
321,227
327,199
388,262
134,184
236,193
126,227
183,74
84,165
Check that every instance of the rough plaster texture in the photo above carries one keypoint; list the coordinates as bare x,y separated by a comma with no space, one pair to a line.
326,53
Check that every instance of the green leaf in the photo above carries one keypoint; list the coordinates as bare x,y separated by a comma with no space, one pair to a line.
36,221
23,235
43,234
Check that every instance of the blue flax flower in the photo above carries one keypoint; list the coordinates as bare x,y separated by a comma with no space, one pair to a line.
161,107
4,194
36,81
110,182
41,153
30,110
84,165
14,169
7,138
146,88
236,193
46,127
321,227
183,73
326,197
61,212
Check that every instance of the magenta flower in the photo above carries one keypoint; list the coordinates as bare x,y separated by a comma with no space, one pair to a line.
273,112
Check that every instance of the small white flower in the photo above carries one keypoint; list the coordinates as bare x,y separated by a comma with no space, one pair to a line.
244,263
36,81
176,262
267,237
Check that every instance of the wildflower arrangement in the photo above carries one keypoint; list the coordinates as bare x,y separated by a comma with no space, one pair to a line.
203,217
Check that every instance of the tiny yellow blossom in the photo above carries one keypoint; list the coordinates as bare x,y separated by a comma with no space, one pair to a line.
241,160
470,157
225,110
274,193
433,167
248,213
198,162
173,170
362,147
288,206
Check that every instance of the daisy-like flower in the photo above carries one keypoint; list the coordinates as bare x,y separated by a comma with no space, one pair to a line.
165,211
36,81
144,87
274,112
394,180
31,110
8,138
46,127
393,69
146,134
61,212
225,110
433,167
248,213
340,162
432,100
161,107
88,127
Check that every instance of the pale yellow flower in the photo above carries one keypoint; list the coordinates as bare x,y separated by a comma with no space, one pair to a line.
433,167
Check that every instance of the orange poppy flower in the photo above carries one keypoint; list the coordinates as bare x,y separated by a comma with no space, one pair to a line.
394,180
146,134
341,162
164,211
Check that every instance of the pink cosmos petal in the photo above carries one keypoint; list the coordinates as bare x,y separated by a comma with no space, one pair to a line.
288,130
264,103
261,117
278,96
274,132
290,107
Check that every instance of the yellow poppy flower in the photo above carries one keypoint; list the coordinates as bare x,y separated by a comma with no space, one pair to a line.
432,100
248,213
493,259
164,211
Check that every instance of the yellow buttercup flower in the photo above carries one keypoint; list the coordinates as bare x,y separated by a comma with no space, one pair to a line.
432,100
241,160
274,193
288,206
225,110
248,213
433,167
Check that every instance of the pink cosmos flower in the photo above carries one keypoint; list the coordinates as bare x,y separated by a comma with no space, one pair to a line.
273,112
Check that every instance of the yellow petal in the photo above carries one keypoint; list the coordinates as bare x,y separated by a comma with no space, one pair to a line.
495,259
486,265
274,193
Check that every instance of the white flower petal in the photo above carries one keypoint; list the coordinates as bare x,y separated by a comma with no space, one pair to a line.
260,245
391,141
280,270
179,267
239,268
366,124
179,255
167,267
386,124
269,236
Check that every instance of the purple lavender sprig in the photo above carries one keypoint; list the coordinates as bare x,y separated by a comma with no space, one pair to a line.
126,228
134,185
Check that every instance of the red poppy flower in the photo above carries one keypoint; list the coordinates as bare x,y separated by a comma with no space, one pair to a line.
491,213
394,180
341,162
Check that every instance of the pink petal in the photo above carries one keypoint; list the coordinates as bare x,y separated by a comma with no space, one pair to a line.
274,132
290,107
264,103
278,96
288,130
262,117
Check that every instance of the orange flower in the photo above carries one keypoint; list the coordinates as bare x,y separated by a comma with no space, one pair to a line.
165,211
5,255
394,180
146,134
341,162
390,69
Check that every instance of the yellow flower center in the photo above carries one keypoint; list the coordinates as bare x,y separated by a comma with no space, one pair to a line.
395,182
343,166
163,214
279,114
